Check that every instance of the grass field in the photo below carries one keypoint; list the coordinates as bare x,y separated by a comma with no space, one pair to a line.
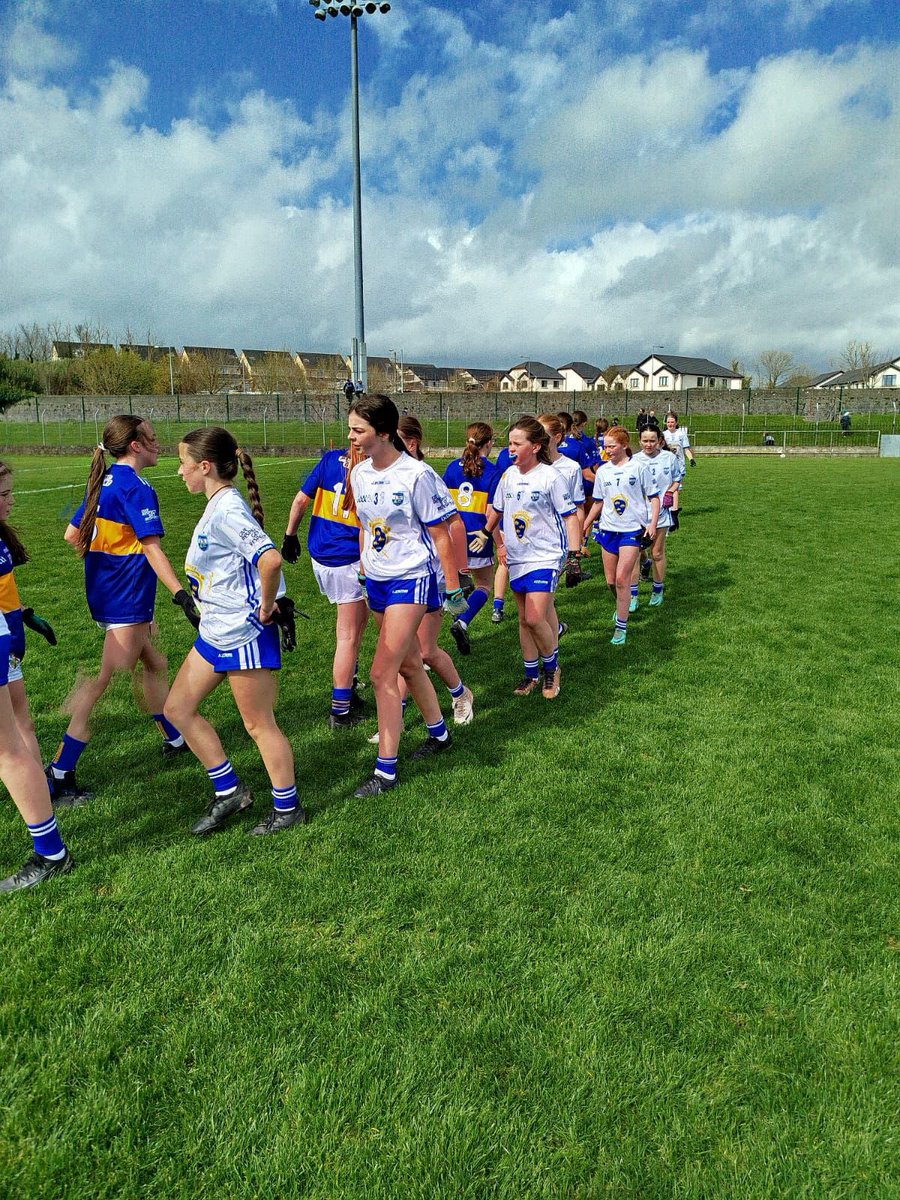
639,942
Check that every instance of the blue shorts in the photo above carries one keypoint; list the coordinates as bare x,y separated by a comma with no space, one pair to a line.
382,593
612,541
536,581
263,652
5,643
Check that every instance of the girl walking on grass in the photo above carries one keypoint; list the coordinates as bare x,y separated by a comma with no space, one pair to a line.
117,531
626,499
471,480
20,757
539,523
666,473
235,573
404,520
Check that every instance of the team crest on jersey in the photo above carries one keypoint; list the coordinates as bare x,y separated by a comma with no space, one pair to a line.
381,535
632,480
535,497
521,521
202,541
620,504
397,499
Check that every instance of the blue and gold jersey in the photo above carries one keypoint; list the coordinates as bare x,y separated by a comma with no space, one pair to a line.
333,537
472,495
121,584
10,604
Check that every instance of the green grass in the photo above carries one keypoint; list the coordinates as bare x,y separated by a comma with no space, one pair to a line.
641,942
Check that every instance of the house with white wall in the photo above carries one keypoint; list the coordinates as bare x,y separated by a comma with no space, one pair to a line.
580,376
532,376
677,373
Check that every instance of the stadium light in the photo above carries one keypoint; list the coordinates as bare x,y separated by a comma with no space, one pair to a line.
354,11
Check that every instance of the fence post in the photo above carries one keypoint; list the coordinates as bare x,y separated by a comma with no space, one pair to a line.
130,407
278,405
178,407
227,408
83,413
37,416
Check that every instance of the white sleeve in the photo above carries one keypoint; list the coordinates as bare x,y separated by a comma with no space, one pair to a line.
432,501
243,533
497,498
649,486
561,496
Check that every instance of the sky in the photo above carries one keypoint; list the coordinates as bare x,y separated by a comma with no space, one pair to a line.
553,180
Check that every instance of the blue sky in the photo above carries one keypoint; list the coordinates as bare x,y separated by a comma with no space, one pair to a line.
542,180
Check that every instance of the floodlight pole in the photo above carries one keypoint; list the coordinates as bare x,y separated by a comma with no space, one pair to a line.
360,363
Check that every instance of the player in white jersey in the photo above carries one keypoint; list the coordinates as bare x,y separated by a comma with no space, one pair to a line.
539,532
235,573
666,472
569,468
403,519
627,502
677,440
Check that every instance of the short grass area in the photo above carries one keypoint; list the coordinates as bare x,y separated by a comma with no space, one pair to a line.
639,942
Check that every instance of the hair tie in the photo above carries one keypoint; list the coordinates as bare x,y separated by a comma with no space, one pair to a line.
101,447
472,440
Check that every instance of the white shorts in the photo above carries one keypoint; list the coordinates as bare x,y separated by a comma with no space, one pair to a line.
339,585
477,561
107,625
15,669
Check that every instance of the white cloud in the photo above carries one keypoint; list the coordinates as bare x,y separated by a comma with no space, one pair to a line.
508,213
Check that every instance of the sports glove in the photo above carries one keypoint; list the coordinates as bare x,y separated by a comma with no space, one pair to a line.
291,548
478,540
39,625
692,461
646,540
361,576
185,602
286,620
467,583
574,573
455,603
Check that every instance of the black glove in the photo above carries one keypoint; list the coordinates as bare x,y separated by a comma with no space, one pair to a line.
185,602
285,617
467,583
39,625
692,461
574,573
646,540
291,548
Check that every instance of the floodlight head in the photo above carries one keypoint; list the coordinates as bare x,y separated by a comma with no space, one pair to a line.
384,7
370,7
320,15
314,3
345,10
356,11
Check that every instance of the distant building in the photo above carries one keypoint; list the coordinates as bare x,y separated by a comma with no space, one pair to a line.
60,350
676,373
883,375
580,376
532,376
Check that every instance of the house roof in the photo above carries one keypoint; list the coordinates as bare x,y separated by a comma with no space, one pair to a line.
842,378
680,365
215,353
537,370
589,373
254,356
819,380
79,349
481,374
322,361
147,352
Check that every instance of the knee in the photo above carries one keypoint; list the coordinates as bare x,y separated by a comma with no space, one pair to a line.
174,712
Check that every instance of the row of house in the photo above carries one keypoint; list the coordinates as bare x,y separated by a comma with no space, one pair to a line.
655,373
882,375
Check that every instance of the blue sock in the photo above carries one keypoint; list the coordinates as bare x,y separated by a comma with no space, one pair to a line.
498,605
340,701
403,704
284,799
621,625
168,730
224,779
457,691
551,662
387,767
47,840
477,601
657,588
635,590
67,756
531,669
438,731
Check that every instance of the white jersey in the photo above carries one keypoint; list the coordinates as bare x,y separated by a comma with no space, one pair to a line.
573,475
395,507
665,469
533,507
677,441
221,567
625,491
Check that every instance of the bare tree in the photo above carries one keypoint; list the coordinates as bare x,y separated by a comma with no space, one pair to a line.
35,343
861,357
772,365
276,371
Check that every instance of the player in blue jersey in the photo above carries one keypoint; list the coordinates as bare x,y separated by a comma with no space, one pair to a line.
666,473
471,480
20,757
403,510
504,461
627,501
333,544
433,655
576,447
117,531
235,573
539,524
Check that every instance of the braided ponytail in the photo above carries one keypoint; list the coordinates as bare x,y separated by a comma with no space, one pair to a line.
118,435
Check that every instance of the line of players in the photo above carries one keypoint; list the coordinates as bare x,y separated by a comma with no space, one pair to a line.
387,536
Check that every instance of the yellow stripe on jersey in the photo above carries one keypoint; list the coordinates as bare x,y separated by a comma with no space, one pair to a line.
9,594
330,506
112,537
469,501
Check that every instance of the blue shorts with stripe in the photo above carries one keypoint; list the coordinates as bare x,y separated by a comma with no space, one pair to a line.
382,593
612,540
5,643
264,652
536,581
